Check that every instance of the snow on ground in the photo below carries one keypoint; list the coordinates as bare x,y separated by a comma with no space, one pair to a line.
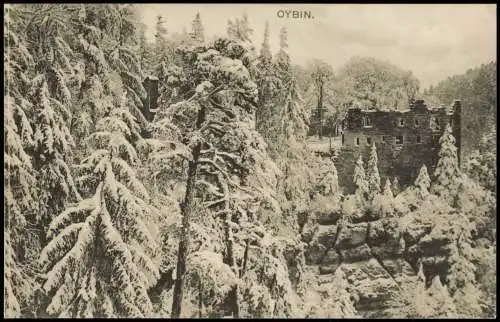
323,145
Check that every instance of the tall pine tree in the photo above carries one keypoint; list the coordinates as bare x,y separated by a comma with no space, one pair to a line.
100,259
373,174
198,32
447,175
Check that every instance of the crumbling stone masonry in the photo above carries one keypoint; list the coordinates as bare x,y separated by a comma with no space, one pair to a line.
405,140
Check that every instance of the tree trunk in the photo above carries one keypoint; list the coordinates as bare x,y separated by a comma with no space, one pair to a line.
187,209
245,258
233,294
320,111
200,299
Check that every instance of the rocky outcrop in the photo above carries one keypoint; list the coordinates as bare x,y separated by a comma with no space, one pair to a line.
376,257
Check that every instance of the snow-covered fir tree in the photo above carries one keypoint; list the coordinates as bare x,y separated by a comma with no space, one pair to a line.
423,182
265,51
395,186
413,301
441,303
383,204
268,82
20,195
113,66
447,174
161,41
282,58
100,258
372,171
145,51
239,29
481,163
197,32
51,113
362,187
387,189
462,270
329,181
292,157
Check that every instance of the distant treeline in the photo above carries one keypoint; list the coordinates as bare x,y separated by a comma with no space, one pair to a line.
477,89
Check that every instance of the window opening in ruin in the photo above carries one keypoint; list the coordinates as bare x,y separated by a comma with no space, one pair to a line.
434,124
369,141
387,138
419,139
367,122
417,122
451,122
399,139
342,138
357,141
401,122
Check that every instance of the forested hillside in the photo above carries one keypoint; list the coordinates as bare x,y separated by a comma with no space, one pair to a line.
365,82
477,90
216,207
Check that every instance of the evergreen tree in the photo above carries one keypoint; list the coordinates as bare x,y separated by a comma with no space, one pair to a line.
447,174
112,66
51,99
384,204
231,29
413,300
20,196
395,186
267,81
161,41
481,163
197,33
387,189
239,29
265,51
277,90
321,75
329,184
282,58
442,303
468,301
462,270
245,30
144,50
373,175
288,120
99,260
360,182
421,298
423,182
215,125
290,147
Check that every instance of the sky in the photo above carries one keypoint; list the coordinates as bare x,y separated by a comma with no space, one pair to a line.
433,41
